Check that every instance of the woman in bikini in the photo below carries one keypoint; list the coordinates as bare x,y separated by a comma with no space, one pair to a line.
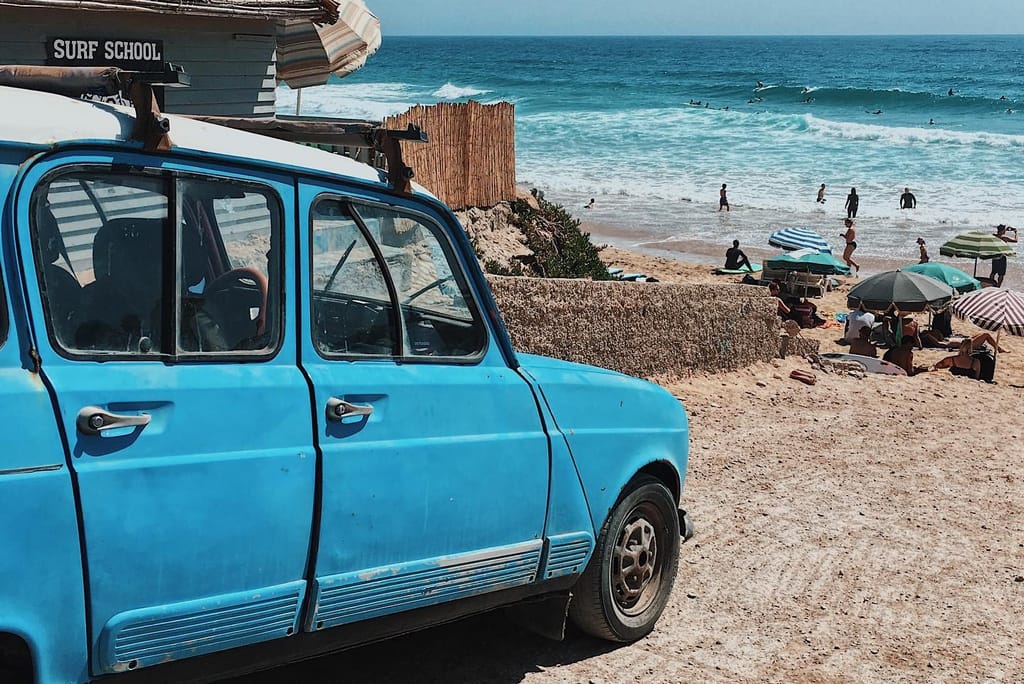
962,363
851,244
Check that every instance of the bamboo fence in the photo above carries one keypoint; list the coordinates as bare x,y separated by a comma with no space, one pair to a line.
470,160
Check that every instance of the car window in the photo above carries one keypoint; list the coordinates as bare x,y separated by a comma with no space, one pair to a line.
100,240
230,285
436,309
352,309
118,272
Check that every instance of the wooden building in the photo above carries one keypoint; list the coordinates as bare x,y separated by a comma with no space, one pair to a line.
228,48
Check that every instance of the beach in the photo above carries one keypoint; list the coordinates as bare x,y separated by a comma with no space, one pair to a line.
856,530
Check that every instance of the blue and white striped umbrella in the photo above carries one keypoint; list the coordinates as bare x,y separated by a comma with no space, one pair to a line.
799,238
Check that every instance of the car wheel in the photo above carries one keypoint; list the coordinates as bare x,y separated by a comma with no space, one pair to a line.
627,583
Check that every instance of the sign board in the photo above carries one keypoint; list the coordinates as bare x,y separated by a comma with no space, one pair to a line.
126,53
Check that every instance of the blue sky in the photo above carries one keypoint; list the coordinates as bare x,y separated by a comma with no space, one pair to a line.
690,17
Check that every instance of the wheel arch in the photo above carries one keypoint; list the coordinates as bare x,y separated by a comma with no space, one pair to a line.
16,659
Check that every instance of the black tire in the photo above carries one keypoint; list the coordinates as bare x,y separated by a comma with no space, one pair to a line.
620,595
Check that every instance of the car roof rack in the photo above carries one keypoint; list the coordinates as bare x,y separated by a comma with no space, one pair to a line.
338,132
152,127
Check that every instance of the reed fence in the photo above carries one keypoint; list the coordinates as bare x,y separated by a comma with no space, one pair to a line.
470,160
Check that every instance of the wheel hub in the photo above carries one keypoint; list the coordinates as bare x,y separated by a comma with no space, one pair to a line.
635,561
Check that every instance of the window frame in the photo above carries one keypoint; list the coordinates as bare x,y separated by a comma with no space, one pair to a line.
440,233
171,276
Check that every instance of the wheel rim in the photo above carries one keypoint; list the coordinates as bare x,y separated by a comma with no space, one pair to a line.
636,562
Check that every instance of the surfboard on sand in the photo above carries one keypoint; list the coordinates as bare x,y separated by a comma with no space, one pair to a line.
871,365
738,271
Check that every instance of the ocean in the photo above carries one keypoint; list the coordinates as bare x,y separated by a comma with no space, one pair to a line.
610,118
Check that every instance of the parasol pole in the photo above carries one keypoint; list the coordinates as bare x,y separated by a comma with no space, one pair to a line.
298,110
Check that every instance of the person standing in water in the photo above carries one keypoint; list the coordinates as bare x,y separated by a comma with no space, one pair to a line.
852,202
851,244
723,201
924,250
821,194
907,200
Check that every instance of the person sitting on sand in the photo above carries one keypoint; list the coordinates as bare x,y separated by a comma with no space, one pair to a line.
902,355
857,320
910,329
775,290
962,363
805,313
863,345
735,258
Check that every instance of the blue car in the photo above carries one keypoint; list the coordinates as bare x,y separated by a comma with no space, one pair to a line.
260,405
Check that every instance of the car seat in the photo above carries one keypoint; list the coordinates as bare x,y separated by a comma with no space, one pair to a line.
124,309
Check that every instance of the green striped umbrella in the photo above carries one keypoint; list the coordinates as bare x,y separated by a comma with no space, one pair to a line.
976,245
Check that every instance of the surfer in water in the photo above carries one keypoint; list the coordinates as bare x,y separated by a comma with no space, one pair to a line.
760,84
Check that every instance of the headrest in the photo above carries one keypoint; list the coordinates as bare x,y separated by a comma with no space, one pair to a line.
129,253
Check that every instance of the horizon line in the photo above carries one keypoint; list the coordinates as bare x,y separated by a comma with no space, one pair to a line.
708,35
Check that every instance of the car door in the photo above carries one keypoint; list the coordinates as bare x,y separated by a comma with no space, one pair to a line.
156,294
435,461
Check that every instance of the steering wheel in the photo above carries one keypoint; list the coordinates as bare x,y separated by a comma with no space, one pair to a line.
243,278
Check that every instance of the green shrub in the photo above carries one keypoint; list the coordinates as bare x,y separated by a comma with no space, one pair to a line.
560,248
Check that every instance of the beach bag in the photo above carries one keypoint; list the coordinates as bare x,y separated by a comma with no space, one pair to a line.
988,364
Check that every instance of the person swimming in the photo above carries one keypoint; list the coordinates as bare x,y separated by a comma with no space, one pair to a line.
931,122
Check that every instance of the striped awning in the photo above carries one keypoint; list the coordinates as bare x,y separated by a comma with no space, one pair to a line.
976,245
993,308
799,238
308,53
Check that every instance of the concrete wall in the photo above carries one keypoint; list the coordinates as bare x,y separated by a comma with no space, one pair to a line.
643,329
231,61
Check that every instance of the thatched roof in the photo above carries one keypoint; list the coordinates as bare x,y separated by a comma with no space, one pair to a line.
316,10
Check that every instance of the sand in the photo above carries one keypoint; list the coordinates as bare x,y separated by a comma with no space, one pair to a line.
856,530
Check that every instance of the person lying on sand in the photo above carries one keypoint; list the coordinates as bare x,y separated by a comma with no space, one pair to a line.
962,363
932,339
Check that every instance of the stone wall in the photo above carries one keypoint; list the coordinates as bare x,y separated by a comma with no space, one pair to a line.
643,329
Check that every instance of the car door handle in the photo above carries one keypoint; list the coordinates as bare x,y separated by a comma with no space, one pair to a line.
339,408
92,420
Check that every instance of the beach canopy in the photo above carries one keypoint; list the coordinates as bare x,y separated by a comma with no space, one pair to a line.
899,290
976,245
799,238
308,53
944,273
993,308
808,261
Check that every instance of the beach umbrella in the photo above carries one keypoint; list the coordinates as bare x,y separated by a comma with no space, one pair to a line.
944,273
976,245
308,53
809,261
899,290
993,308
798,238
